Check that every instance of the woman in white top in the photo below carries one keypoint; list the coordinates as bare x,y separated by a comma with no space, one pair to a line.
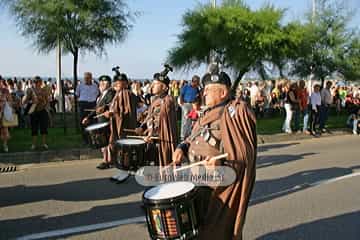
315,103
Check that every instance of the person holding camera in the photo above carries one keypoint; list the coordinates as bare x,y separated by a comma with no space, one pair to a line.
38,98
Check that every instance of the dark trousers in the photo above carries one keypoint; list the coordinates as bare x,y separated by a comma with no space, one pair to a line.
314,119
39,121
82,106
324,114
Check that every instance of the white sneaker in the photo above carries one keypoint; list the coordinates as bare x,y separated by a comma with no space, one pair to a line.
45,146
33,147
355,133
6,148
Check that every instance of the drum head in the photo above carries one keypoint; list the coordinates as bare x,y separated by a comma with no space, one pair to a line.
169,190
96,126
129,141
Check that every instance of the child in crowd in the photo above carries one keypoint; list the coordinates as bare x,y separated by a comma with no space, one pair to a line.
194,113
353,121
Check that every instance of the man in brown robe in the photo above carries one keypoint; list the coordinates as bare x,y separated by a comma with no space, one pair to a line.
227,126
160,122
122,114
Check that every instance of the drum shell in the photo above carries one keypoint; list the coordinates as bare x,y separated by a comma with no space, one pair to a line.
99,137
136,154
183,209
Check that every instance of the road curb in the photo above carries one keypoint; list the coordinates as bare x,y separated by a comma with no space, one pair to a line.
22,158
13,161
284,137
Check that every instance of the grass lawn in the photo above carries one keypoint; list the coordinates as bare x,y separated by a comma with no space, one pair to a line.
273,125
21,139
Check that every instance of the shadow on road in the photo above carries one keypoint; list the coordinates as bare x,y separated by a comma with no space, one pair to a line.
272,160
13,228
266,190
268,147
84,190
346,226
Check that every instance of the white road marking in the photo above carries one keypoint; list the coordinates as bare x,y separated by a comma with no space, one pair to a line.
331,180
63,232
298,187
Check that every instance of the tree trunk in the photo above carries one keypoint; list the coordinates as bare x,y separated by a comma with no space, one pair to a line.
63,105
76,59
238,79
322,82
281,73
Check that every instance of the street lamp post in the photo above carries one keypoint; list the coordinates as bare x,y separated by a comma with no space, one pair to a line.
213,2
311,68
212,56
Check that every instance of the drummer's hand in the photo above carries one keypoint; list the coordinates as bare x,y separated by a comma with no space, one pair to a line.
177,156
100,109
139,131
212,163
85,121
107,114
148,139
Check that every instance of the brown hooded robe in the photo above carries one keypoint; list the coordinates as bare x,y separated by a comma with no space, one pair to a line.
226,209
124,116
167,128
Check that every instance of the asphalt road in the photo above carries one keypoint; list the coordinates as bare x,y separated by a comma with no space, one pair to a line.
304,190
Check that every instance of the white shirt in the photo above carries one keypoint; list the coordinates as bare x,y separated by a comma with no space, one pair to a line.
102,95
87,93
326,97
315,100
254,90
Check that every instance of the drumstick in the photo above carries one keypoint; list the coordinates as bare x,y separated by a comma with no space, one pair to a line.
129,130
225,155
89,110
168,166
100,115
142,137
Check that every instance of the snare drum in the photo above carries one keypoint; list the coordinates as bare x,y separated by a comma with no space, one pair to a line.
99,134
135,149
170,211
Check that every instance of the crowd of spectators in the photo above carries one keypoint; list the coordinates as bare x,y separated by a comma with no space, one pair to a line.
306,108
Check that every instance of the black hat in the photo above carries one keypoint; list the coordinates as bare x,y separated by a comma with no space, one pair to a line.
37,79
121,77
164,79
105,78
213,76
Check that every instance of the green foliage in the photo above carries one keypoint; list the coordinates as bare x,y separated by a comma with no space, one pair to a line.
79,24
241,38
327,45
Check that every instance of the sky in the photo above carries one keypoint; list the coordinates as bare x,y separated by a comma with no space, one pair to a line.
142,53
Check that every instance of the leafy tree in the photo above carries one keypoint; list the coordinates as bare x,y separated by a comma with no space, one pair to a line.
241,38
79,25
326,42
350,62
